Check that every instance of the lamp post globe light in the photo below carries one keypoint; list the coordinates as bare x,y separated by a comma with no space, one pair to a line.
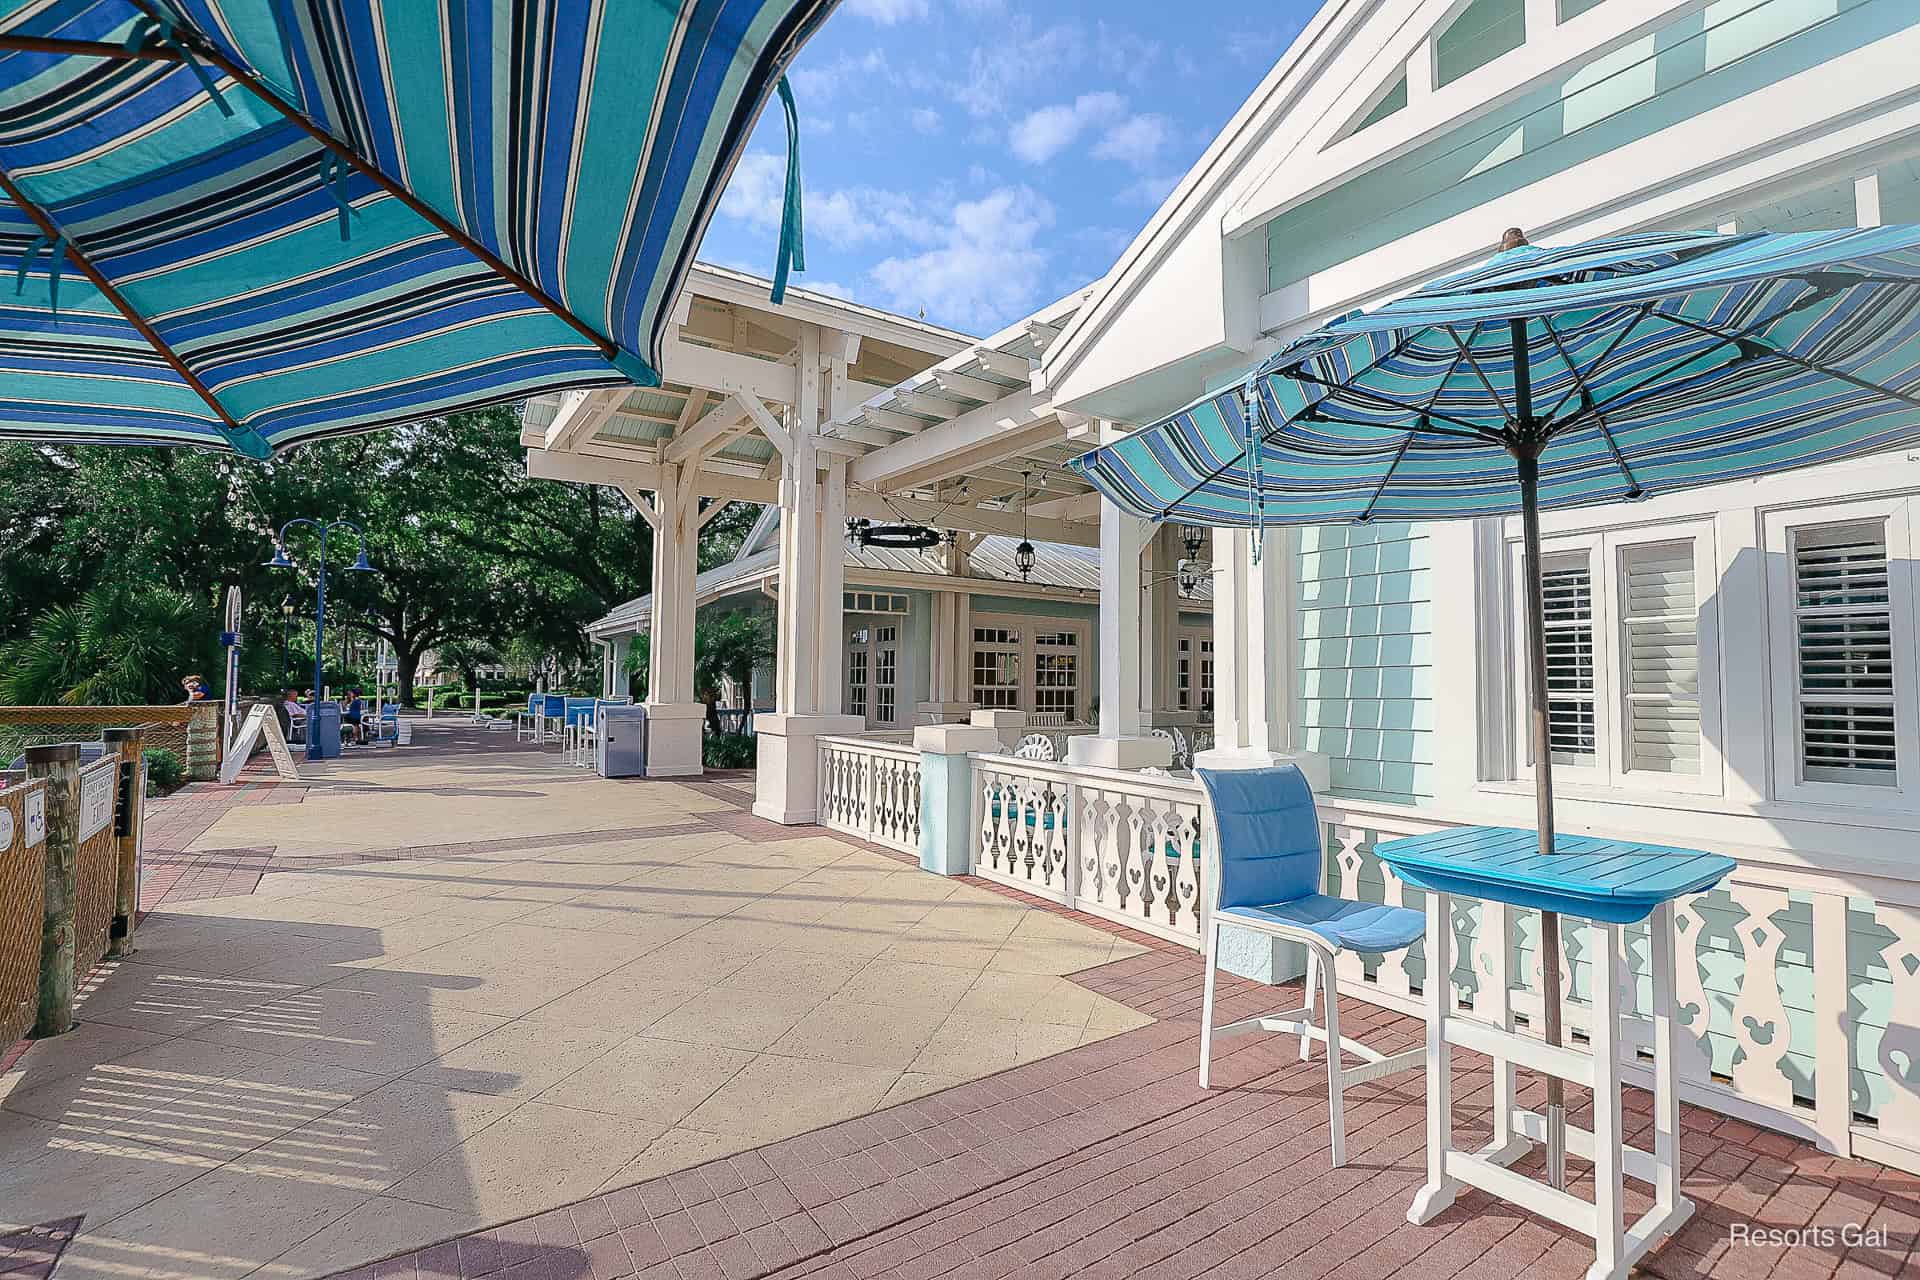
360,565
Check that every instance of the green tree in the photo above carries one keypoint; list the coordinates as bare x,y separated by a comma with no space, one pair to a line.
118,645
729,647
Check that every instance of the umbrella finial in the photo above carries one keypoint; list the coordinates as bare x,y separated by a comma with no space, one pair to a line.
1512,238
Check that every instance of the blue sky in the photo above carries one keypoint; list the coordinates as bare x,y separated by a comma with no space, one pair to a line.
974,159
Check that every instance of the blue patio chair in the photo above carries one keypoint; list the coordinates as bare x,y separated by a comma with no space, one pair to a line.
1270,853
530,725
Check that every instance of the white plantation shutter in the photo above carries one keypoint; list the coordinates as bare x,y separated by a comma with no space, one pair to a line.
1660,662
1843,629
1567,587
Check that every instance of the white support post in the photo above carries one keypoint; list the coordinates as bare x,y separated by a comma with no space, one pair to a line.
1121,743
1606,946
830,672
809,670
1253,657
947,671
675,722
1160,634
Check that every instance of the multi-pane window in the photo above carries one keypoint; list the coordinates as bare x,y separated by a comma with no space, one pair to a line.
1056,672
1567,593
1186,695
1626,614
1660,657
857,668
886,670
996,668
1843,654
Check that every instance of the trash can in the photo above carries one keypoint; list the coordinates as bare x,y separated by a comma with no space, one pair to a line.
620,744
323,731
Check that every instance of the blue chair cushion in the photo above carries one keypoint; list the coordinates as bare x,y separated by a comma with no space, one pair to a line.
1354,926
1270,838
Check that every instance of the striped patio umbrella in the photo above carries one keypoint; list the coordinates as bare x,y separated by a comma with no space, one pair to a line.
244,224
1548,378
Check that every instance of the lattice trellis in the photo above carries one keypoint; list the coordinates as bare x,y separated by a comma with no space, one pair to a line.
97,873
23,886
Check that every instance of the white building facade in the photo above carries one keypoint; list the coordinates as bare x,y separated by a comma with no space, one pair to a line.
1733,668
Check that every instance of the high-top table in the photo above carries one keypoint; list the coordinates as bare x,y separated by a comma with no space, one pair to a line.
1608,883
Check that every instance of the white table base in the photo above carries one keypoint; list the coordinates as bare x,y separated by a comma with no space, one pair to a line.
1617,1243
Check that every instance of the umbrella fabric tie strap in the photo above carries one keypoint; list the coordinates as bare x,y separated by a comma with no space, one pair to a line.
56,245
333,176
150,29
792,254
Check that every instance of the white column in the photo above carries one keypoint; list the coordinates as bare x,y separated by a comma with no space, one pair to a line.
1253,657
948,688
1120,743
809,675
1160,657
675,722
830,602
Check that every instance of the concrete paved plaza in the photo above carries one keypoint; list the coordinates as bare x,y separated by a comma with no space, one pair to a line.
449,987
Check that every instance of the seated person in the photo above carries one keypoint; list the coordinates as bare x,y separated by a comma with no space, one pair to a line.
287,710
353,711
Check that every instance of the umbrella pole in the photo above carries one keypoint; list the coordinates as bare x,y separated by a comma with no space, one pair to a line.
1528,460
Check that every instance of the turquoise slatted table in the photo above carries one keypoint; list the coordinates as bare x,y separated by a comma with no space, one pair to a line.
1609,883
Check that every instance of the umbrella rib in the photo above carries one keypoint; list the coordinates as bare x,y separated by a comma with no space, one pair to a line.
1606,433
212,53
50,229
1475,366
1812,366
1579,384
88,49
1468,429
1386,478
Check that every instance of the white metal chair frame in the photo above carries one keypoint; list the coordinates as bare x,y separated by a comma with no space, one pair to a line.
1321,978
1036,746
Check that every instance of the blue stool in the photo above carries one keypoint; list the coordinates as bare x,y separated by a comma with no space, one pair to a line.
1270,852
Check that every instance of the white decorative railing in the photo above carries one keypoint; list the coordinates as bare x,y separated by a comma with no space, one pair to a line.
870,788
1799,989
1126,846
1781,975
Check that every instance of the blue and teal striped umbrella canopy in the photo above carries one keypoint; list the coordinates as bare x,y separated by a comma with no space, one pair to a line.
249,223
1651,363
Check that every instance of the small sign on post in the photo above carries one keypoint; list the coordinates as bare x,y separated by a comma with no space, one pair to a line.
96,801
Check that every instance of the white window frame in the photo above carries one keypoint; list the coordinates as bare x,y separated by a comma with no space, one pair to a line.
1606,555
1029,625
1778,527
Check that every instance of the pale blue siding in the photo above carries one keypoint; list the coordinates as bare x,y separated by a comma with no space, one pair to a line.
1364,657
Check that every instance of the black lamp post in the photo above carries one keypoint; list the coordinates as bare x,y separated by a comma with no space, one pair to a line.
359,565
286,635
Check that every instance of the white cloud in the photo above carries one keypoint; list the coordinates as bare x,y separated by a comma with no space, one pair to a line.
1151,190
888,12
986,268
1007,67
924,120
1135,141
1045,133
757,192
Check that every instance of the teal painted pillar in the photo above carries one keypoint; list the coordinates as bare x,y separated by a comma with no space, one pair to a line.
946,793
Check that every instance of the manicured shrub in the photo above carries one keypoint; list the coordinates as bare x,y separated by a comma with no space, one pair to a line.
728,751
165,773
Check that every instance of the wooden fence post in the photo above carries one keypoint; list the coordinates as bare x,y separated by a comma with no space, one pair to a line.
59,765
129,810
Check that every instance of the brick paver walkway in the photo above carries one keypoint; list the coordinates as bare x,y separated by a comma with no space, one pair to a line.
1108,1161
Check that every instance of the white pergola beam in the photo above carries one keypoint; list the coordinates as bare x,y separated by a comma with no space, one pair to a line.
1003,364
888,420
958,436
763,418
930,406
645,477
727,373
967,385
583,415
691,443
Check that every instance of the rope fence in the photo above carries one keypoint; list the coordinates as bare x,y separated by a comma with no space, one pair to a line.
190,731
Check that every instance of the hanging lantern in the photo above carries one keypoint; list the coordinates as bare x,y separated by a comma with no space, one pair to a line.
1193,537
1023,555
1187,578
